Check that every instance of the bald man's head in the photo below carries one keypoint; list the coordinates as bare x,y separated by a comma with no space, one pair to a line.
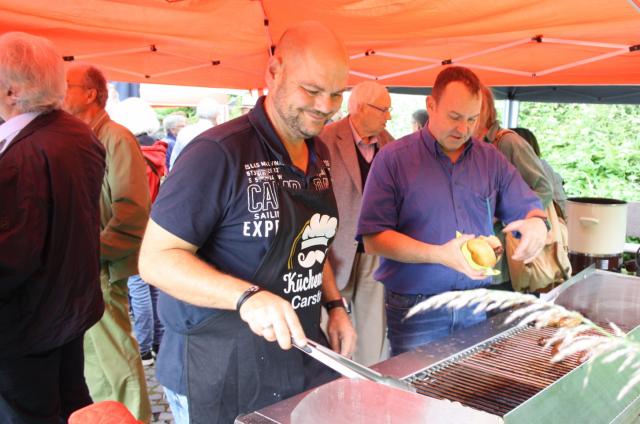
306,78
310,38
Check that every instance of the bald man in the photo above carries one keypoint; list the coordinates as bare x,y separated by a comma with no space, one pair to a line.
353,142
237,242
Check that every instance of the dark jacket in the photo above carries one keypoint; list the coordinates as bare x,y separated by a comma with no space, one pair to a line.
50,179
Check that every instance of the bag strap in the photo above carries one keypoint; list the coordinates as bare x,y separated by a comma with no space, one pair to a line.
501,133
154,169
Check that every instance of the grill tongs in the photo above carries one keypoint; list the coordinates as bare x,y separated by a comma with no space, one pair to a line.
349,368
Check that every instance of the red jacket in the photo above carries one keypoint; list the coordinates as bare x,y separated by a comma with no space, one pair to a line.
155,156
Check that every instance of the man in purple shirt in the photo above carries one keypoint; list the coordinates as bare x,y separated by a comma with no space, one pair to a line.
423,189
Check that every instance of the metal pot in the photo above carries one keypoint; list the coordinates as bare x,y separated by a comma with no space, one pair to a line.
597,226
597,229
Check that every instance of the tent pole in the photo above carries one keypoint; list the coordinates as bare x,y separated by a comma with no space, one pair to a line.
510,112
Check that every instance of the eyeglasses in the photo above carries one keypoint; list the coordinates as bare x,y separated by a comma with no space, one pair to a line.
381,109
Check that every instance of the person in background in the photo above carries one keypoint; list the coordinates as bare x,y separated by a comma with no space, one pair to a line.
521,156
424,188
353,142
51,170
559,195
113,368
419,119
172,124
139,117
237,243
136,115
207,112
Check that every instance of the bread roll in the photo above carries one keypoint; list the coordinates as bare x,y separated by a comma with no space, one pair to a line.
481,252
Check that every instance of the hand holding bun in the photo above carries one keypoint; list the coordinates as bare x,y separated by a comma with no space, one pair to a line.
482,253
495,244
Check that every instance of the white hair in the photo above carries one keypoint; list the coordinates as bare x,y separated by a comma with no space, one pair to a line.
365,92
32,66
208,108
174,120
136,115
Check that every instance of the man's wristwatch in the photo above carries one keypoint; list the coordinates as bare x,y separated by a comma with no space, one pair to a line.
338,303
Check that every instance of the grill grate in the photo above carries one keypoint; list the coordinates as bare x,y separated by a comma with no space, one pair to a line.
498,377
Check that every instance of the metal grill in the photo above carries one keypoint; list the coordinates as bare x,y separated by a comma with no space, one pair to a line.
497,376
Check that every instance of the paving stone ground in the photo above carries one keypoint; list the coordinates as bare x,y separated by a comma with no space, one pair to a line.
159,406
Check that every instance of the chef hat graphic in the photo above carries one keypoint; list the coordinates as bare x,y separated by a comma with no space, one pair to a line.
315,239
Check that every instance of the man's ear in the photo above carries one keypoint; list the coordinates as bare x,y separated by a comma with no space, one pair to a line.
274,68
431,104
92,94
12,96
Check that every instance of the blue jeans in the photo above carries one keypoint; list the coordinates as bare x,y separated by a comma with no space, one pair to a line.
179,406
423,327
144,304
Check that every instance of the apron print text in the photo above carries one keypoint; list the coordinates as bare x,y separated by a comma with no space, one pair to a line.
309,252
262,198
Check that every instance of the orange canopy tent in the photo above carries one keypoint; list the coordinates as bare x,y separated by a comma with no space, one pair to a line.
225,43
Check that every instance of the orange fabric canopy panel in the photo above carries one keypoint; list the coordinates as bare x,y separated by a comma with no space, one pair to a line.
226,43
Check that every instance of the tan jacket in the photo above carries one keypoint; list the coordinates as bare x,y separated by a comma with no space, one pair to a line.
347,187
124,200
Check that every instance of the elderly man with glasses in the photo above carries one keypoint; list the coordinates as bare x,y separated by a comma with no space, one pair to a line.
113,367
353,143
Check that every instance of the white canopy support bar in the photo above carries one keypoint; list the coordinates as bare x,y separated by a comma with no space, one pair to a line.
491,50
123,71
181,70
582,62
496,69
150,48
584,43
409,57
357,56
410,71
363,75
179,55
434,62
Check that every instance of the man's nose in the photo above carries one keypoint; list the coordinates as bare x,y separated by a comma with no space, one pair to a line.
327,104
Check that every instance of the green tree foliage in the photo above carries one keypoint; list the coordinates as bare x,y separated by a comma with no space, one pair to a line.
596,148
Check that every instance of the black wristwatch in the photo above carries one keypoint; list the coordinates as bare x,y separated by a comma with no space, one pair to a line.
338,303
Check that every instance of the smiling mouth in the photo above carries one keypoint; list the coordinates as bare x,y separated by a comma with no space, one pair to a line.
316,116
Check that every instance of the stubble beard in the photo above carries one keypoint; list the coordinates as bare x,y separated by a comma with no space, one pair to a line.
293,118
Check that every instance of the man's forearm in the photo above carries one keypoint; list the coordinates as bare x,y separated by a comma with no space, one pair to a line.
329,288
399,247
183,275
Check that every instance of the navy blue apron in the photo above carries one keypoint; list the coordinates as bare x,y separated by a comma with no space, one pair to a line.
230,370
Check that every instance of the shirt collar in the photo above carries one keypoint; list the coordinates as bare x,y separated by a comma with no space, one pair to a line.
10,129
260,121
98,121
432,145
358,139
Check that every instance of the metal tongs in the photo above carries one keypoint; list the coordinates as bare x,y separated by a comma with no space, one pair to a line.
349,368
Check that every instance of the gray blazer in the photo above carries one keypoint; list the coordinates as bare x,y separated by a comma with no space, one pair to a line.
347,186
